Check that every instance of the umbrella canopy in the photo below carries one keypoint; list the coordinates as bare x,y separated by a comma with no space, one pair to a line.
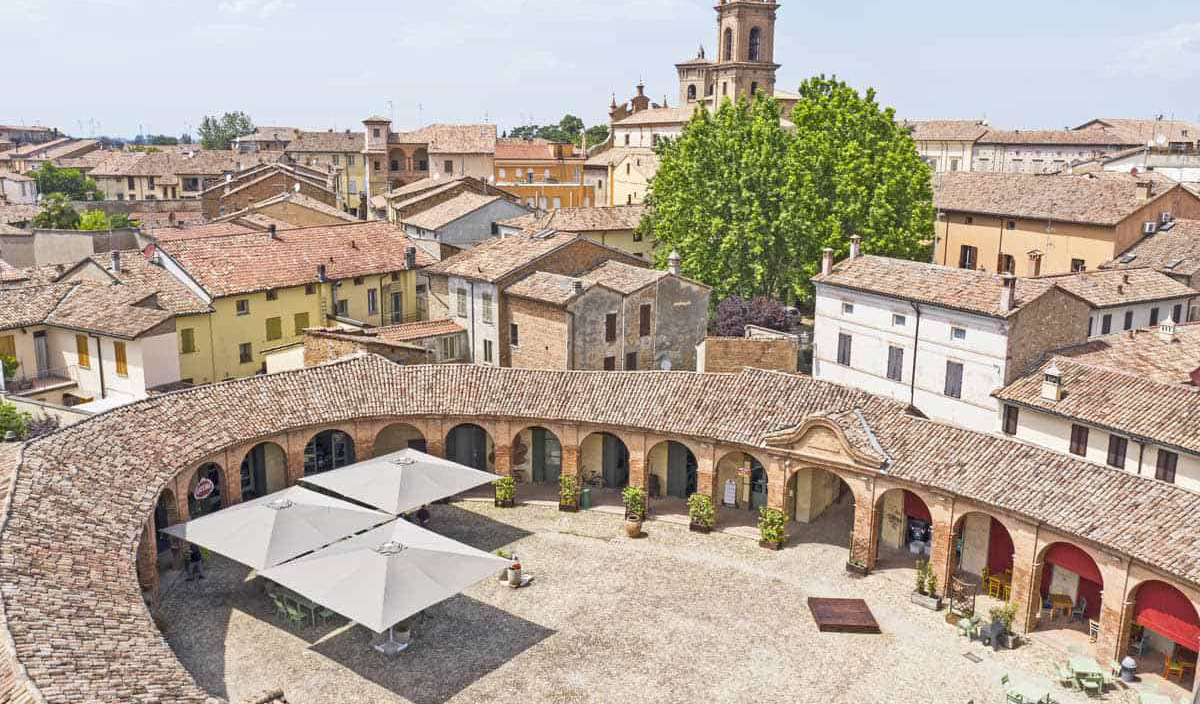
401,481
387,574
277,527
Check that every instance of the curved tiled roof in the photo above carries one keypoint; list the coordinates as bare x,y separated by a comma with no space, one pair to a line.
73,617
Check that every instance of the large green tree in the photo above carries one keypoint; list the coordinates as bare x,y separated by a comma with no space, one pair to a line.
69,182
56,214
94,220
749,204
219,132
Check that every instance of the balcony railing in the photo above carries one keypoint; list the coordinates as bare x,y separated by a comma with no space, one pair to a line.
41,380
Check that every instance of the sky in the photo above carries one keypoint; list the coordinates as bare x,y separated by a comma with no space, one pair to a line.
118,67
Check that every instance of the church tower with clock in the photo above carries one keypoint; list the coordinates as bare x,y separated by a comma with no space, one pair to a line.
744,61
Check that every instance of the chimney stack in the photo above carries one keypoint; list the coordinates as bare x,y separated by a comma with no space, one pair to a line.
1145,190
271,231
1166,329
577,286
1052,383
673,263
855,246
1008,292
116,262
826,261
410,258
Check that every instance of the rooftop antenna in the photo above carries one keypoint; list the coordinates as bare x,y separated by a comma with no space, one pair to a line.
391,110
420,115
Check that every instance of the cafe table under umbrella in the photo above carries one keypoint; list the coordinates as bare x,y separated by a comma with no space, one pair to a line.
400,481
268,530
385,575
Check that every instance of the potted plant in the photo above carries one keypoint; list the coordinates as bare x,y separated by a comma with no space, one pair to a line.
771,528
1005,615
925,594
506,492
700,513
857,567
568,493
635,510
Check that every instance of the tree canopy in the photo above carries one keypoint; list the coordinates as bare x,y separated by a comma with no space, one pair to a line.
749,204
69,182
56,214
93,220
219,132
569,129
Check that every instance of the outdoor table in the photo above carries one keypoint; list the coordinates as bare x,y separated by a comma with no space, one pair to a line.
1029,691
1084,666
1060,602
1152,698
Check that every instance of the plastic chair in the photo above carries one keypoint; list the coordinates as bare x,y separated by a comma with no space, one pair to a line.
1114,668
1079,610
1091,686
295,615
280,608
1172,667
1066,678
1093,630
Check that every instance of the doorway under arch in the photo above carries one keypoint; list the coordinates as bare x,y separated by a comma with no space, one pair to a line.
328,449
398,436
537,455
209,500
472,446
166,514
263,470
904,529
1163,625
742,481
604,455
983,554
671,470
1070,588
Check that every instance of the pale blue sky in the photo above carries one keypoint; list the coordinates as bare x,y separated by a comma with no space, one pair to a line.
320,64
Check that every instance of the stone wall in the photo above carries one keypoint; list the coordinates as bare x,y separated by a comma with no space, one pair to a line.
1053,320
543,333
730,354
319,349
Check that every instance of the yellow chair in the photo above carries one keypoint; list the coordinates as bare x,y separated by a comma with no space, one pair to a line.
1172,667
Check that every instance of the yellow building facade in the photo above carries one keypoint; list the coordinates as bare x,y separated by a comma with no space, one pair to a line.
545,175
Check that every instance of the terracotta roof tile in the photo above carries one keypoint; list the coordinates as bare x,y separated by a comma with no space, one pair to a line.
216,229
581,219
107,310
1099,138
29,305
945,130
141,278
450,210
1104,288
494,259
327,142
555,289
622,277
1175,251
1144,353
451,139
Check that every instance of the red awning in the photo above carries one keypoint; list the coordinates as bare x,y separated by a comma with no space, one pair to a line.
914,507
1000,548
1071,558
1168,612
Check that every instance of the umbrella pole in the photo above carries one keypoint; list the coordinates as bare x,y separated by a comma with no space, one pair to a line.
391,646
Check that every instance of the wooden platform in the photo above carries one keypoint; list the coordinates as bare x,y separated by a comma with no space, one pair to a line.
842,615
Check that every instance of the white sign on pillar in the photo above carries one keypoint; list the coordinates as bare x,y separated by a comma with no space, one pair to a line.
730,498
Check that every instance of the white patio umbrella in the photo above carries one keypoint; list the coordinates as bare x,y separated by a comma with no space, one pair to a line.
277,527
401,481
387,574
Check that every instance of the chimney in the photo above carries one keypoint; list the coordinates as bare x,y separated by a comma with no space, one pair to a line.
410,258
271,231
855,246
577,286
1052,383
673,263
1008,292
1166,329
116,262
1145,190
826,261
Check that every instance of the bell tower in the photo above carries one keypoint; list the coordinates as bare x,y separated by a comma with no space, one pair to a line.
745,60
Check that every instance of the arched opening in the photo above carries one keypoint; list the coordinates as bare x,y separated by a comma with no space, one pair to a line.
398,436
1069,587
420,160
166,513
691,92
205,490
905,528
399,160
471,445
727,45
1164,629
755,42
983,554
671,470
328,449
537,456
824,503
741,482
603,458
753,88
263,471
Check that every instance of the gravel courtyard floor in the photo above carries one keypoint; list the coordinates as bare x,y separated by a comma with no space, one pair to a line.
673,616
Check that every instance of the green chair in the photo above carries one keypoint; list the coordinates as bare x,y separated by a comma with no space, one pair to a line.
1114,668
280,608
324,614
1092,686
295,615
1066,678
968,626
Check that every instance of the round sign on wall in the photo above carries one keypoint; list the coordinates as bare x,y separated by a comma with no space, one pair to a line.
204,489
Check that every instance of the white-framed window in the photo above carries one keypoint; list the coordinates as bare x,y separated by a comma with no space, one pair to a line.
461,298
503,173
488,315
899,320
847,308
372,301
487,351
957,333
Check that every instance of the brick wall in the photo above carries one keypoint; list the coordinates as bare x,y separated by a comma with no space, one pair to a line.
273,185
543,331
1055,319
299,216
729,354
319,349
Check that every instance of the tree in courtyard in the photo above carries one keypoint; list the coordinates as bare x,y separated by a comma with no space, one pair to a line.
749,204
13,420
93,220
219,132
69,182
56,214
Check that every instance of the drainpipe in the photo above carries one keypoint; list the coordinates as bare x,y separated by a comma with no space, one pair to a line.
382,315
100,364
1141,452
912,382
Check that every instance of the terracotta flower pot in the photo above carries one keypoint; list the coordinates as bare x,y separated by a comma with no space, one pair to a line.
633,527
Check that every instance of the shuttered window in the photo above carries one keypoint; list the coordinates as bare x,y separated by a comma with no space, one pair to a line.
1117,446
8,346
119,356
610,327
843,357
1079,440
1165,468
610,363
81,352
630,361
187,341
274,329
954,374
895,363
644,321
301,320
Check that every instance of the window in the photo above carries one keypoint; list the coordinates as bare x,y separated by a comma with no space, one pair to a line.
350,161
243,306
610,364
353,186
630,361
644,320
343,308
514,335
958,333
375,164
1106,324
755,37
461,300
1006,263
557,202
899,320
310,289
954,373
1117,446
954,167
244,354
968,220
843,355
374,131
274,328
395,165
610,327
487,308
895,363
727,49
300,321
627,139
967,257
129,182
121,360
1164,469
272,295
691,93
1128,319
448,166
81,352
335,159
1010,419
637,236
1011,225
1177,314
1078,265
449,347
372,301
1153,316
187,341
1079,440
487,351
847,308
1089,332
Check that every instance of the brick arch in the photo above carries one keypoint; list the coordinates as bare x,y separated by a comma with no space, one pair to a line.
312,434
691,480
273,482
399,443
1091,565
843,488
223,486
724,471
489,456
1001,552
1178,622
892,529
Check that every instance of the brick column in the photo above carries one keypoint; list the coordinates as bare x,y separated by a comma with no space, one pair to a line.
941,510
503,459
231,473
777,470
147,562
363,434
570,460
295,457
706,475
1026,575
1114,612
863,537
637,469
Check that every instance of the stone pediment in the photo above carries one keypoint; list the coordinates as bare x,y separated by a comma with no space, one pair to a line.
842,438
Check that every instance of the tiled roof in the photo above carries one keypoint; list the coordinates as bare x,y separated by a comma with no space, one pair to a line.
52,627
13,176
270,134
623,277
945,130
1087,199
172,163
1099,138
417,330
1175,251
1143,131
591,219
8,272
106,310
29,305
509,148
6,229
215,229
1112,287
613,155
328,142
960,289
1144,353
140,277
494,259
27,150
450,210
1122,401
295,198
17,213
451,139
233,264
73,148
544,286
657,116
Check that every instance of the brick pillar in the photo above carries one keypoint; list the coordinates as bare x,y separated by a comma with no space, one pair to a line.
147,562
1026,577
570,460
363,435
942,535
706,476
637,469
863,537
776,483
295,456
436,447
1115,613
503,459
231,474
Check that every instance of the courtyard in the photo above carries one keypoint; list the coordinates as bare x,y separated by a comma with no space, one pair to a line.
673,616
